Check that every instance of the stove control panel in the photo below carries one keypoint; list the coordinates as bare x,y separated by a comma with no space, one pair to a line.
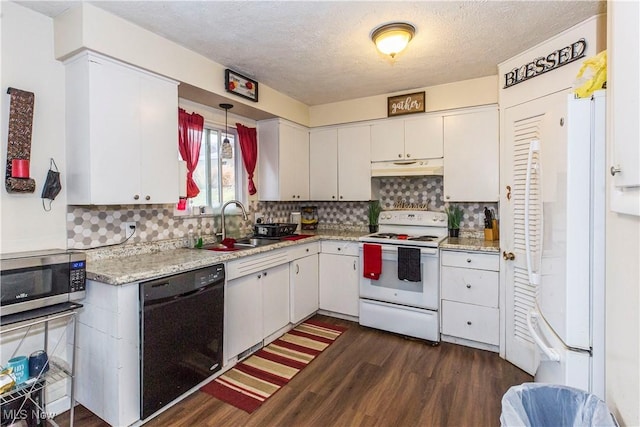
402,217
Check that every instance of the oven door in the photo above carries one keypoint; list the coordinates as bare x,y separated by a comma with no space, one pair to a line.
388,288
34,282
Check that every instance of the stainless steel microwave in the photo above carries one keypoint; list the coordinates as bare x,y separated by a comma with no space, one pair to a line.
31,280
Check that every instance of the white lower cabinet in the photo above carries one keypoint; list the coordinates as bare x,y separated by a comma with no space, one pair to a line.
339,277
243,315
470,298
256,300
275,299
303,282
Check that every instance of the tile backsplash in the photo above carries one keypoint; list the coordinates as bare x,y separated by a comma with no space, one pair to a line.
94,226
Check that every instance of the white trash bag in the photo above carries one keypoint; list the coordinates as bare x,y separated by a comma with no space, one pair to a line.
550,405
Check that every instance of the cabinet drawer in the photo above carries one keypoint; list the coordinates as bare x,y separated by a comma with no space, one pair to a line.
256,263
476,260
301,251
478,287
340,248
471,322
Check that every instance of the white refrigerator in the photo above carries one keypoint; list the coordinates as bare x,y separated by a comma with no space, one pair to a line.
565,248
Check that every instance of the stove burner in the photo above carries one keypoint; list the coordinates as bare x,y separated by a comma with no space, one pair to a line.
424,238
385,235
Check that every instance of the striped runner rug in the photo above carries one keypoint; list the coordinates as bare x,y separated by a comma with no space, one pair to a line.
251,382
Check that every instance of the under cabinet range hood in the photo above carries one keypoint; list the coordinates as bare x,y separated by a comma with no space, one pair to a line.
408,167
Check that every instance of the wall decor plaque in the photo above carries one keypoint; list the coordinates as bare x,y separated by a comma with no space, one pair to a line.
240,85
405,104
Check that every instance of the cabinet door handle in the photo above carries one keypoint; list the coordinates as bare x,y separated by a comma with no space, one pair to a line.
468,285
508,192
354,265
469,322
148,198
297,268
136,197
265,274
508,256
339,249
307,249
333,197
468,259
399,156
259,276
408,155
615,170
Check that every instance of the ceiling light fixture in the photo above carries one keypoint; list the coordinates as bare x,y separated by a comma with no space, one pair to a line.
226,150
391,39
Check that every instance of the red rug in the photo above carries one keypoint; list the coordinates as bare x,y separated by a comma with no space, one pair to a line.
251,382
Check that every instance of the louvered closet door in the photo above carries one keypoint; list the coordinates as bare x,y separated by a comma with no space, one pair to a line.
523,123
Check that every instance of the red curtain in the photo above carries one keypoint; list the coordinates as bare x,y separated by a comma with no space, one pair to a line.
189,141
249,146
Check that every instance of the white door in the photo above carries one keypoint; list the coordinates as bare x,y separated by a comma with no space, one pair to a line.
294,163
339,283
423,138
524,123
242,315
115,134
387,140
303,275
471,156
275,298
158,140
323,165
354,165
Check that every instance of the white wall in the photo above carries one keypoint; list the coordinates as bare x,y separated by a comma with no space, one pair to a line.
90,27
467,93
28,63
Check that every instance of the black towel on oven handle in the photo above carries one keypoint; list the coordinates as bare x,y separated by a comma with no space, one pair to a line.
409,264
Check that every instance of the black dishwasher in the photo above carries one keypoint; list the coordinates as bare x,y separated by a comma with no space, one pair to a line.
181,326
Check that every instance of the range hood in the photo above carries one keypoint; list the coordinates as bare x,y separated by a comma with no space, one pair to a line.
408,167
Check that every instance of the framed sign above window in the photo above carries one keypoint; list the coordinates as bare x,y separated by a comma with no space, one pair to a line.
405,104
240,85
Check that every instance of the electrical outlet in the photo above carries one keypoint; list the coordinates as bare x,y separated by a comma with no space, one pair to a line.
129,229
258,217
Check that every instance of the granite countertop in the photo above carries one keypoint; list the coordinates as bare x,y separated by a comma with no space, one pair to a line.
471,244
135,263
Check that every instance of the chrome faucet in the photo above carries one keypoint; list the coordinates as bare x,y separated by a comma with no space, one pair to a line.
244,216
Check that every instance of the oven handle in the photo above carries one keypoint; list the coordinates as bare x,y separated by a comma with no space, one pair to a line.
392,249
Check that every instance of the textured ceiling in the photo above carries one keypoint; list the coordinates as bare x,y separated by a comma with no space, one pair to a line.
321,52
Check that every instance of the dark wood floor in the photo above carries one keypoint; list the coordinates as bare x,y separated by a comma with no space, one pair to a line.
367,378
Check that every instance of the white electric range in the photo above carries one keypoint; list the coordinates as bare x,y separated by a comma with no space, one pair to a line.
390,301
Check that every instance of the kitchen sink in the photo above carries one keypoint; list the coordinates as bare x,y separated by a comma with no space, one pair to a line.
241,244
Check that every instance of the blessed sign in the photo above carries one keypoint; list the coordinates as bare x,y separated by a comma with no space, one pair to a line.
543,64
405,104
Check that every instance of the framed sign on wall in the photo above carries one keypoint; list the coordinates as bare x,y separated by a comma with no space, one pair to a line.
405,104
240,85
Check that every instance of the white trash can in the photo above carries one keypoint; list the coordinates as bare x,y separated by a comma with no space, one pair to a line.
549,405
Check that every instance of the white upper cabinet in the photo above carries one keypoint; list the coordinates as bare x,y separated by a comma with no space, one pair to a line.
340,167
471,156
122,134
407,139
283,161
423,138
354,164
323,164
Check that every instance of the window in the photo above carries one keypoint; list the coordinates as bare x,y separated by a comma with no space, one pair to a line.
218,179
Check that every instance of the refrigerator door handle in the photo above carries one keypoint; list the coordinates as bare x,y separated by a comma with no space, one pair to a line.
549,352
534,147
